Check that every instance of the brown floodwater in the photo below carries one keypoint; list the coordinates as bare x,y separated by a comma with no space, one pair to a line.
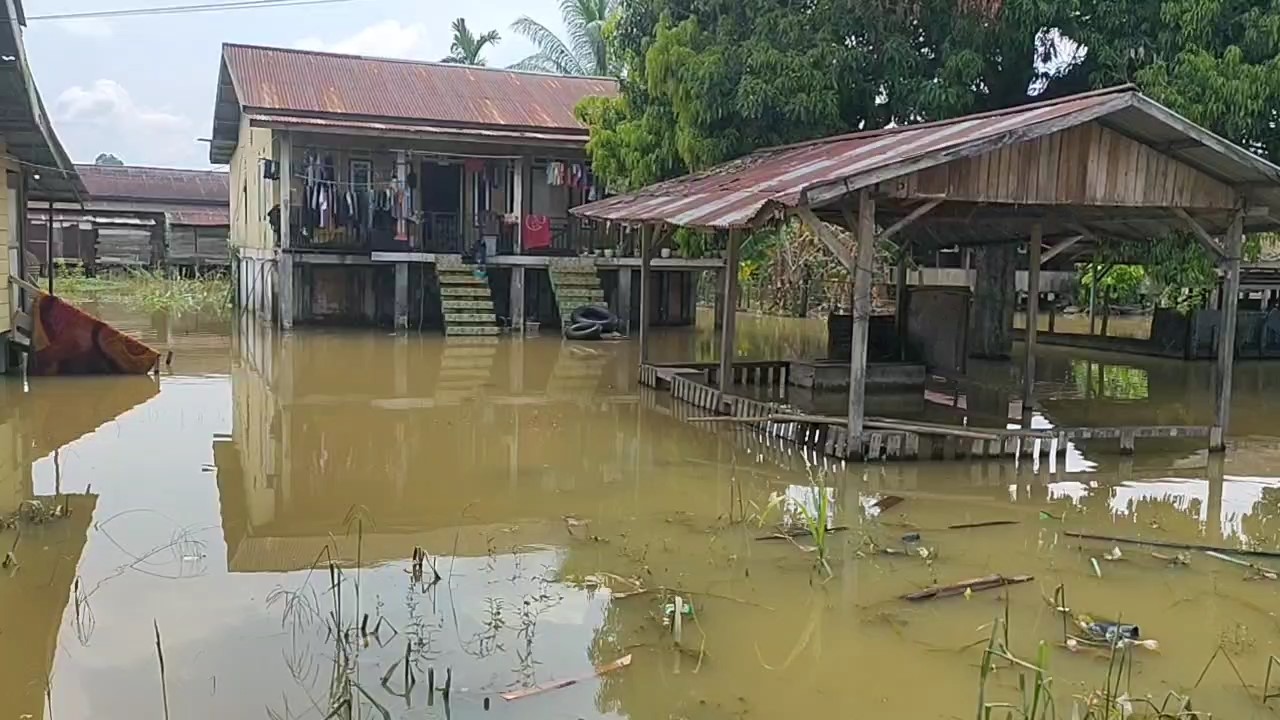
546,488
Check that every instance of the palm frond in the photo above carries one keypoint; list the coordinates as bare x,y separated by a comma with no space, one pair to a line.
552,56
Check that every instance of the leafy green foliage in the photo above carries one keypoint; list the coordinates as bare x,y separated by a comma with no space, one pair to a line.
1121,285
466,48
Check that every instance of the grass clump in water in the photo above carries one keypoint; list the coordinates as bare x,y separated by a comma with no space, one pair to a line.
144,289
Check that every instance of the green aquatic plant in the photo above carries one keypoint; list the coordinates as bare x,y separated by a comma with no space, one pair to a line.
144,289
800,519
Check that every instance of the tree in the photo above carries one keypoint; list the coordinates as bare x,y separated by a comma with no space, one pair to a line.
108,159
467,48
586,50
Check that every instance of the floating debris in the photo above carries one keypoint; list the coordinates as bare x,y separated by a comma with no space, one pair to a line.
987,582
558,684
988,523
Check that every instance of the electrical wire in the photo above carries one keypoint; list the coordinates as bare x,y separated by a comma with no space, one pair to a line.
183,9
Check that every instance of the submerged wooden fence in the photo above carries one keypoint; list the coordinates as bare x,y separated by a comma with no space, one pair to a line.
694,384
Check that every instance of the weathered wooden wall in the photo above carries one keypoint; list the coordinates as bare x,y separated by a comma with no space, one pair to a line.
993,301
249,198
1084,165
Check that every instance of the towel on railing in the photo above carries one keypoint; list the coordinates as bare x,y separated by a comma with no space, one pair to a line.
537,232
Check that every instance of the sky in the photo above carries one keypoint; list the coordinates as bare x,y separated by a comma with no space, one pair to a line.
143,87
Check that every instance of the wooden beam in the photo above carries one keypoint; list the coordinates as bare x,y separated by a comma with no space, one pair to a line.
663,235
825,234
646,297
1227,333
1201,234
1057,250
1033,323
727,340
914,215
861,314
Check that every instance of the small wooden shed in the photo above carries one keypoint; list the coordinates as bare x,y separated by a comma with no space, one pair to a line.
1035,178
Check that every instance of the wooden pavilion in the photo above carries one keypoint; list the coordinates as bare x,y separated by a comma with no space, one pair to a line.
1110,164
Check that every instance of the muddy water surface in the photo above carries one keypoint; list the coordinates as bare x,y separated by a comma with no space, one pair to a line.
556,500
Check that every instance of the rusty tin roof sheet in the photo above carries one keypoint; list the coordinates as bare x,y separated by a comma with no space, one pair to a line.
753,188
200,216
160,185
356,126
299,81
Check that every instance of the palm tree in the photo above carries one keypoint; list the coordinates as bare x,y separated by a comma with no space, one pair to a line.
466,47
583,54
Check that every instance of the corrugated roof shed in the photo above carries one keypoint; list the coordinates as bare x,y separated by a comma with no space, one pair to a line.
158,185
299,82
753,188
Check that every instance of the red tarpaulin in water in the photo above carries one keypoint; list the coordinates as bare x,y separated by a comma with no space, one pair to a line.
68,341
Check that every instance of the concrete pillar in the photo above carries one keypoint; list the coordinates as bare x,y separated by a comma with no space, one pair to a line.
1227,335
728,346
402,296
516,301
623,299
866,238
1033,323
284,293
993,300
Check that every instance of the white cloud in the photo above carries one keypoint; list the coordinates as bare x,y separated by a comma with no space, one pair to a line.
107,102
95,28
388,38
104,117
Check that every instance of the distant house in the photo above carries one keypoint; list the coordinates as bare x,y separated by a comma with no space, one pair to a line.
32,161
138,217
359,184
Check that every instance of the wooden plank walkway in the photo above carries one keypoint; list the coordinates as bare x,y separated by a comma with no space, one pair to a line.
694,385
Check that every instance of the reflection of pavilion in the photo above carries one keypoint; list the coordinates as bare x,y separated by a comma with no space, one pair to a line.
327,423
34,423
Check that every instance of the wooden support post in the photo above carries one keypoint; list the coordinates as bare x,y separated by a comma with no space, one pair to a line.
901,302
864,257
402,296
1033,323
285,272
516,301
521,167
1227,335
646,294
1053,310
727,339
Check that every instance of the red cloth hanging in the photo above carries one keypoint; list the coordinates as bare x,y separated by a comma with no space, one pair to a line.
537,232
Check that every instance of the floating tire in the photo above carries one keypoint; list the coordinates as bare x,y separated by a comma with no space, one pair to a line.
585,330
601,316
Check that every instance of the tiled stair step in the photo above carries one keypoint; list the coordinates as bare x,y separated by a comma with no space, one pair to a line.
461,291
580,295
451,303
464,373
462,279
464,345
576,280
456,318
472,330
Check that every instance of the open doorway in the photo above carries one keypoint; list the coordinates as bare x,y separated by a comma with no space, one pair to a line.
441,188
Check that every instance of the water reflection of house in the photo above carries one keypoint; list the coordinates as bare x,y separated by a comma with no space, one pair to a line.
138,217
358,187
33,164
418,453
36,422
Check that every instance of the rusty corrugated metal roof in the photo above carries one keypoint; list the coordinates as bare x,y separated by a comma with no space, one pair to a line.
259,119
738,193
753,188
160,185
298,81
200,216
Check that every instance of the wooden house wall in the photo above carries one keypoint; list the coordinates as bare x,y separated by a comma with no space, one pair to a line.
1085,165
250,199
7,241
190,245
